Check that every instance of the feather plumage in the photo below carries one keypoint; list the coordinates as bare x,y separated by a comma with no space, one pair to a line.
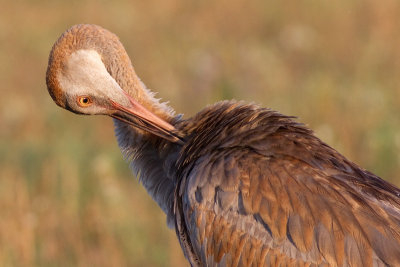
257,187
242,185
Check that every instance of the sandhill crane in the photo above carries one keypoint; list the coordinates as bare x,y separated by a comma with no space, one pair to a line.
242,185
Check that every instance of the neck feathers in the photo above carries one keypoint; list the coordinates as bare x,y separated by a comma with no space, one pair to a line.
152,160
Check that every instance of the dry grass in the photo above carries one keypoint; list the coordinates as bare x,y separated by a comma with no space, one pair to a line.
66,196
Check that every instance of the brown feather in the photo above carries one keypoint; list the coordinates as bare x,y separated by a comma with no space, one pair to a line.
297,198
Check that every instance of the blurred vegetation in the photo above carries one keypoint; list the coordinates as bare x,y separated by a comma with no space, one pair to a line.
67,198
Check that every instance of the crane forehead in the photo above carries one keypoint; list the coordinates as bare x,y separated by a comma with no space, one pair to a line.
82,66
85,72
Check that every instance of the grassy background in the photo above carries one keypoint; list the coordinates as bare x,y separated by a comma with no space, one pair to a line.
67,198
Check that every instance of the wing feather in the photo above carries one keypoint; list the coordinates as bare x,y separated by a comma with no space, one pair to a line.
257,188
270,210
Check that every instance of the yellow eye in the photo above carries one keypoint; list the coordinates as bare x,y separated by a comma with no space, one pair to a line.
84,101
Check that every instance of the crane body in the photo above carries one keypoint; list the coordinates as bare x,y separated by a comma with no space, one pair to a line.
241,185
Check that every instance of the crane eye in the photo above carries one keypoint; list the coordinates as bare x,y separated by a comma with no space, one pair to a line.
84,101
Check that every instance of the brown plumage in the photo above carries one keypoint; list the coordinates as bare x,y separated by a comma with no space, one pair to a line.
241,185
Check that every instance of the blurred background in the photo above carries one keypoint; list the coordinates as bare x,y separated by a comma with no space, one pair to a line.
67,198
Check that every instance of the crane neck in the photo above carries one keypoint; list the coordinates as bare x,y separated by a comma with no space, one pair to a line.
152,159
120,67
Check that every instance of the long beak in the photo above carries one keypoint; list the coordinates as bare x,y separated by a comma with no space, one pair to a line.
138,116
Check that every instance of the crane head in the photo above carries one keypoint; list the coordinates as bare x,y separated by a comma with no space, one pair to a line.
89,72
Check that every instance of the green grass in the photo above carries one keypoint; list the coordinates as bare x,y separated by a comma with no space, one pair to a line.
67,198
